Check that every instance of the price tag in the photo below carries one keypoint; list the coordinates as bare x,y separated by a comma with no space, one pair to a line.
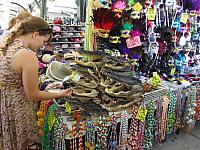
67,107
173,70
51,120
75,76
141,115
151,13
184,17
133,42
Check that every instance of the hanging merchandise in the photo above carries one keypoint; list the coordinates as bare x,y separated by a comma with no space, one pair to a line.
163,127
190,120
102,133
158,120
49,122
90,135
171,114
133,131
149,129
123,136
59,130
112,142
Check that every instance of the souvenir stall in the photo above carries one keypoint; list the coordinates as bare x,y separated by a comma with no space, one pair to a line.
134,84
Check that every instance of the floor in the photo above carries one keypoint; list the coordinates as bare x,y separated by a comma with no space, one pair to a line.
182,141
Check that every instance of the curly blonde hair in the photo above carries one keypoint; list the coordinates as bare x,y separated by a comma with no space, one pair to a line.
31,24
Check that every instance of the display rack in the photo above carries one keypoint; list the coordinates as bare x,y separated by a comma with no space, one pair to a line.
67,34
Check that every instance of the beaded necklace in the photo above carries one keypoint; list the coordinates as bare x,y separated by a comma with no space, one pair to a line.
49,121
112,145
178,111
73,141
102,133
158,120
171,114
141,128
164,117
148,135
81,128
40,120
133,131
90,135
123,130
191,106
59,133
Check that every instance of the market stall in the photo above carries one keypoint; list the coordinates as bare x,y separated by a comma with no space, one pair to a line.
134,84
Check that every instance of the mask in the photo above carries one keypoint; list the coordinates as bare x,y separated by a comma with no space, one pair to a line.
114,39
170,3
125,33
103,33
135,15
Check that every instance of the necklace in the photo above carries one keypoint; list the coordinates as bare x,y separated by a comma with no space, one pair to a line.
158,120
90,135
112,145
141,128
59,133
165,103
191,106
81,128
123,131
171,114
102,132
133,131
148,135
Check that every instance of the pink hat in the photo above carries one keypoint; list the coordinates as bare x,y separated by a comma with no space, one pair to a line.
57,28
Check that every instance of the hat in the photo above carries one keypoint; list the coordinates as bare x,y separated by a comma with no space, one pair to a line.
58,71
56,28
64,45
57,21
46,58
76,45
76,34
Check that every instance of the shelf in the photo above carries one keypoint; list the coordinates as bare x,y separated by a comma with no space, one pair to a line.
68,37
64,25
67,42
69,31
73,47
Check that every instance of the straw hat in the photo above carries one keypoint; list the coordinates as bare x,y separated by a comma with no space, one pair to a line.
58,71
